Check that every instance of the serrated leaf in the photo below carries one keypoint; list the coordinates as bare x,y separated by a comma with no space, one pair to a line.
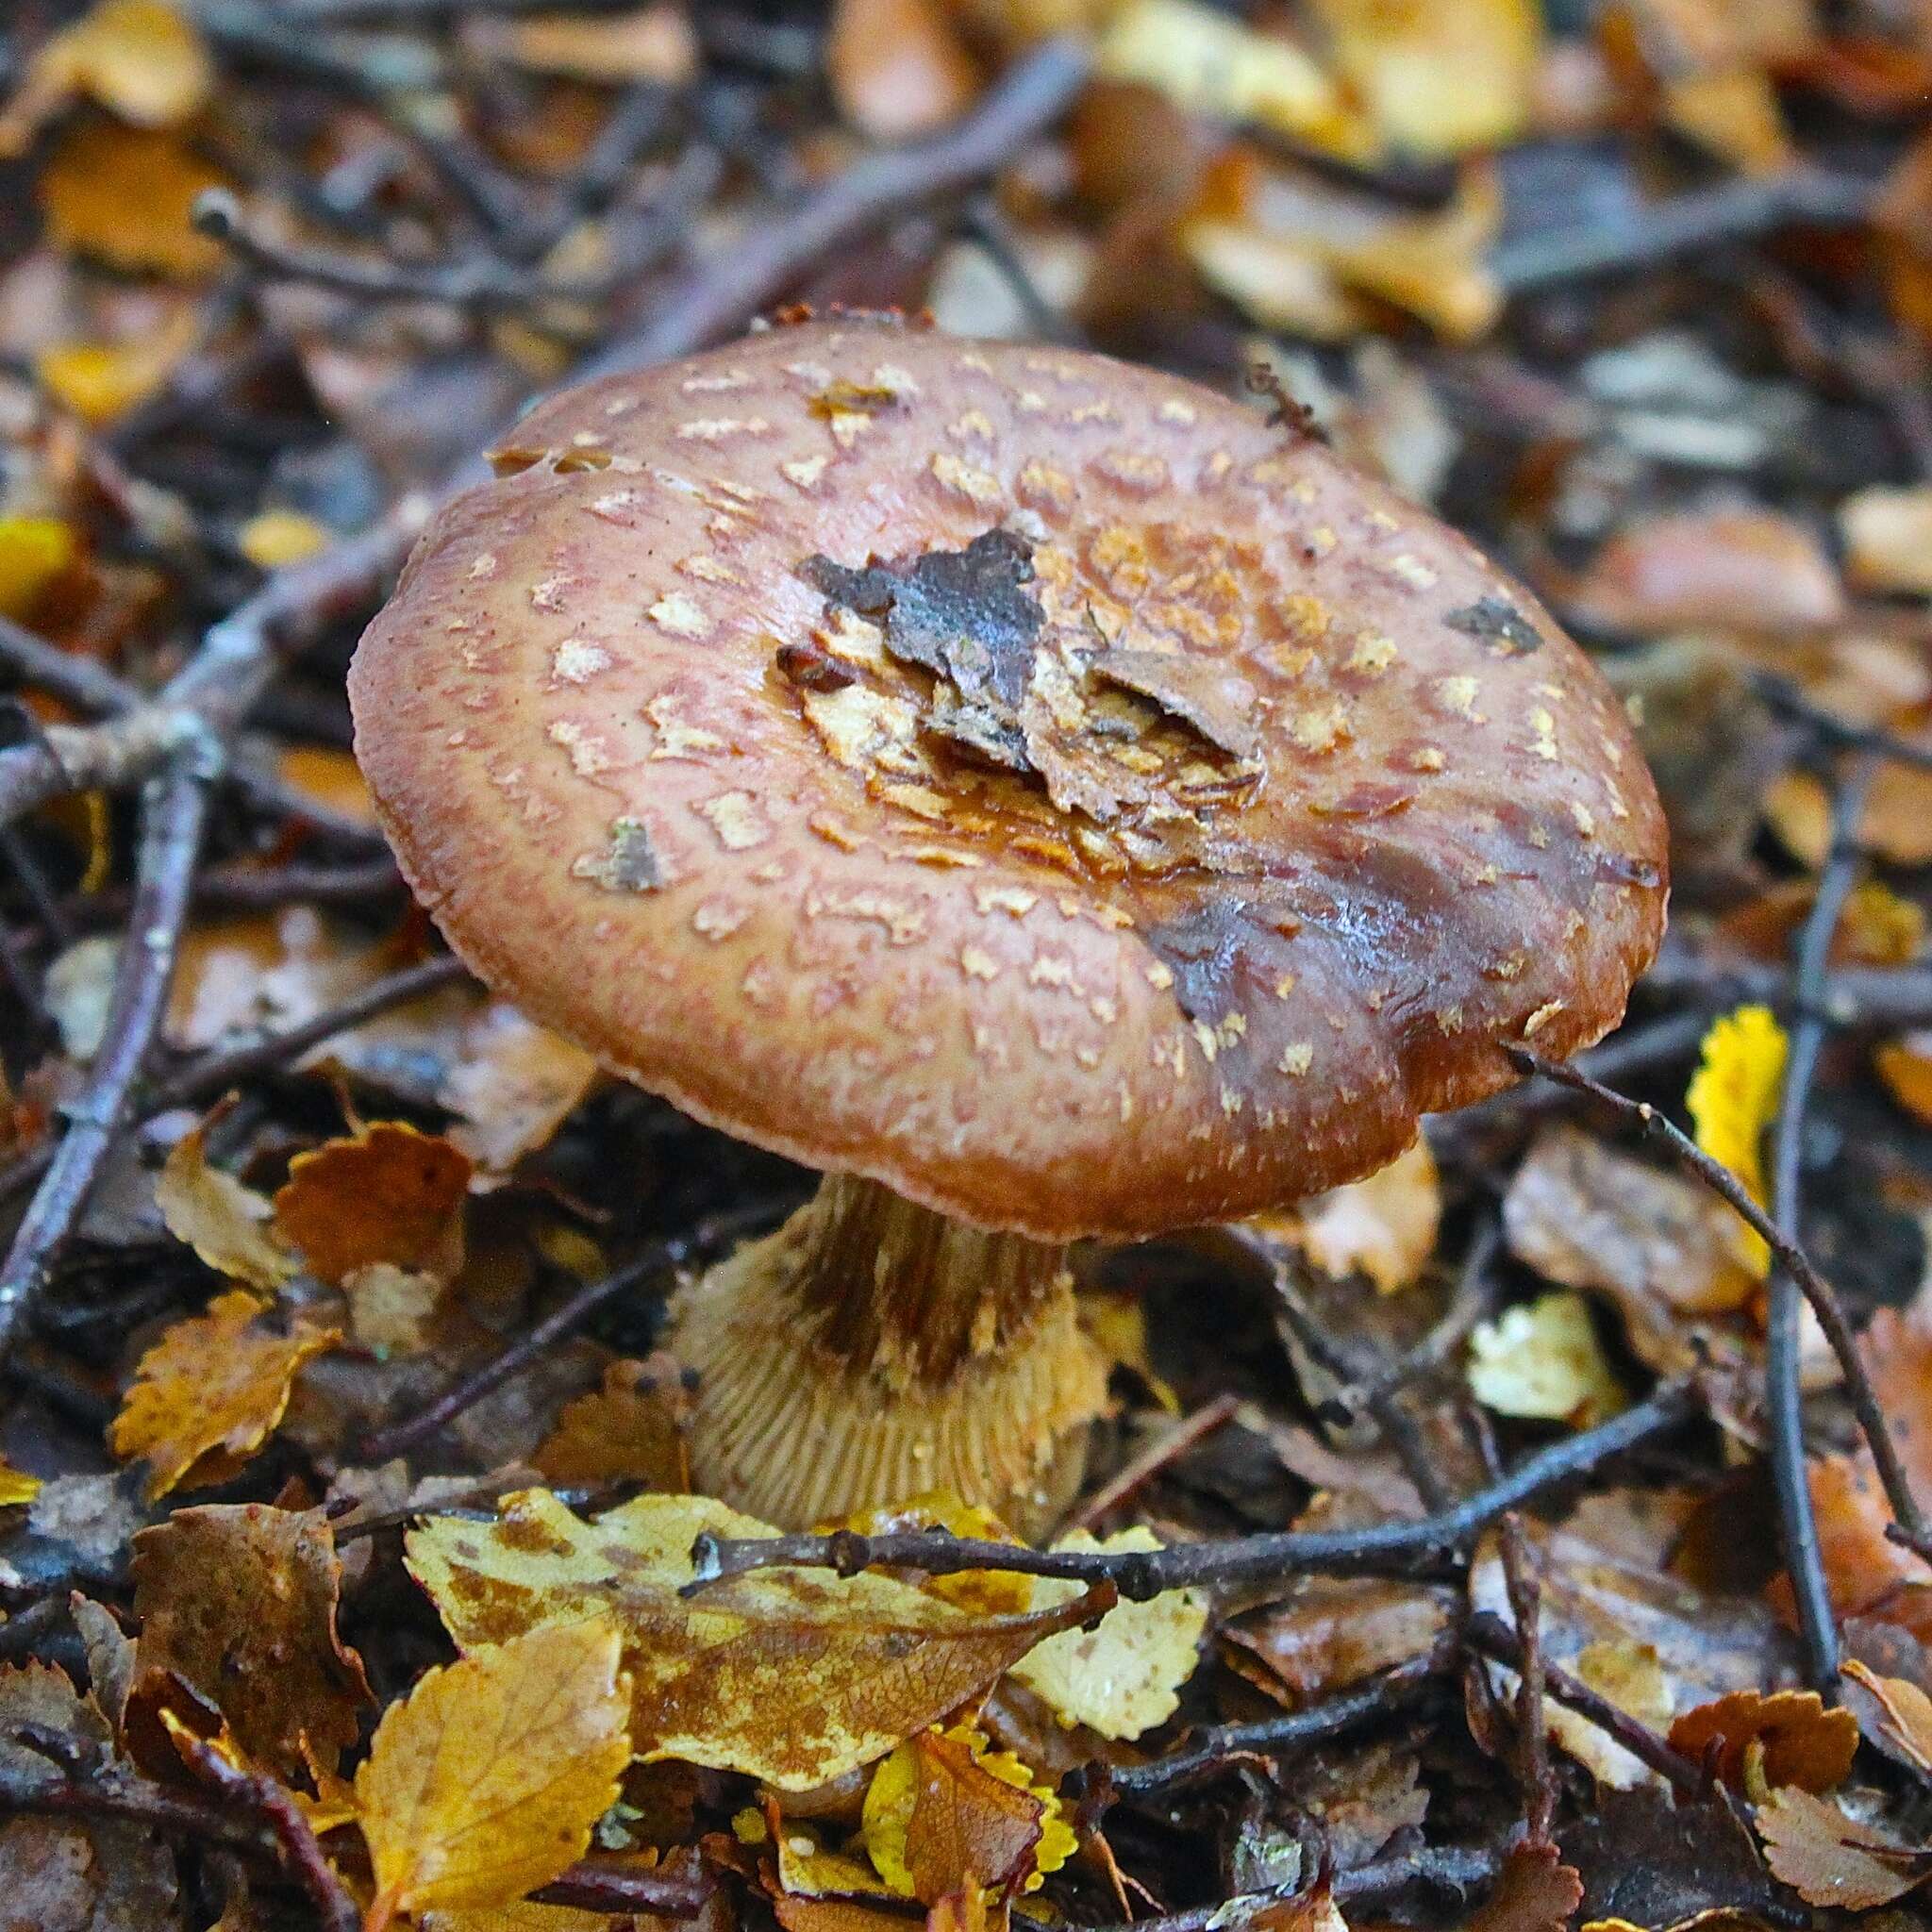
1541,1360
1733,1099
218,1217
388,1194
486,1781
794,1676
1829,1860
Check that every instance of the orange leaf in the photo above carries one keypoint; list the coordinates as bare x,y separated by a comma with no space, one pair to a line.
1907,1713
209,1393
124,195
388,1194
238,1601
633,1429
485,1783
1804,1743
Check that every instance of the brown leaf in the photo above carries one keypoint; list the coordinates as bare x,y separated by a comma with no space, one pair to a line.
967,1827
1647,1860
1534,1891
1804,1743
211,1391
239,1600
795,1676
897,67
485,1782
1829,1860
219,1218
388,1193
634,1428
1327,1633
103,1876
124,195
1906,1724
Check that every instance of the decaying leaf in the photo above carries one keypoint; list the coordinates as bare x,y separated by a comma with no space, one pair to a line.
1733,1099
1829,1860
485,1782
1326,1633
792,1676
1906,1713
222,1221
107,1875
633,1429
1384,1227
238,1601
1801,1741
388,1193
1542,1360
1123,1677
211,1391
1646,1860
1534,1891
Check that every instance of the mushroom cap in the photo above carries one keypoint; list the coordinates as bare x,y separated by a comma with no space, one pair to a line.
1035,782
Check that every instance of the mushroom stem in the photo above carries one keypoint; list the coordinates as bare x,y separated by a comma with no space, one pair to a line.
873,1350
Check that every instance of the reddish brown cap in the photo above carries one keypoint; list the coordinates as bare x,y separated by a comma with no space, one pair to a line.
1032,781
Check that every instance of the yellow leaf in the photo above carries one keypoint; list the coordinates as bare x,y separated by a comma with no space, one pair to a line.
388,1193
632,1429
99,381
1541,1360
273,538
794,1676
125,195
211,1391
1438,76
1207,63
989,1592
33,552
1123,1677
1734,1097
891,1805
141,59
486,1782
218,1217
16,1486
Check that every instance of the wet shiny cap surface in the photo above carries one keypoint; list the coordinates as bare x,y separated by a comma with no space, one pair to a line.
1035,782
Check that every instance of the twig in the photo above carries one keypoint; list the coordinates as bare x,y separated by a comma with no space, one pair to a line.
1532,1738
1782,1398
657,1257
272,1802
599,1885
174,813
1784,697
1214,1748
1817,1291
1893,997
1144,1573
1168,1447
1475,1295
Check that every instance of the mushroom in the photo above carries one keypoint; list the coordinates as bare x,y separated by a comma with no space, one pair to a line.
1038,793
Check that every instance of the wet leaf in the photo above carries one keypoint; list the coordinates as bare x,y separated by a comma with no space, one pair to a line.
484,1783
1534,1891
16,1486
209,1393
634,1428
942,1813
1123,1677
104,1877
1801,1741
386,1194
124,196
1829,1860
1541,1360
34,551
1647,1861
1329,1632
792,1676
1733,1099
1905,1711
238,1601
218,1217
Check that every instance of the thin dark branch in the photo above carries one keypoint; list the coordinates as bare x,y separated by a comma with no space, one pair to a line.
1168,1447
659,1258
174,814
1142,1573
1784,697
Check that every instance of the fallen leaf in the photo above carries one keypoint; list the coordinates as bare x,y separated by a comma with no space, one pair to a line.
794,1677
1733,1099
101,381
1907,1713
1438,77
1541,1360
1905,1065
391,1309
484,1783
1123,1677
124,195
1211,65
16,1486
388,1194
106,1875
211,1391
1888,536
238,1601
1647,1860
635,1428
1384,1227
1327,1633
330,777
274,538
1803,1742
1534,1891
1829,1860
897,68
34,551
1719,570
218,1217
141,59
514,1083
651,43
943,1813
